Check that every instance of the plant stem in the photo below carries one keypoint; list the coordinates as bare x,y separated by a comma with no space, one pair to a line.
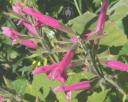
93,59
117,87
77,7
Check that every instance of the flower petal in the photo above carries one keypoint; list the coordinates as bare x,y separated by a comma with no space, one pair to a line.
117,65
28,25
44,69
29,43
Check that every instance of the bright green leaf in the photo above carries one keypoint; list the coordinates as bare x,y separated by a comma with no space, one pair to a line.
98,97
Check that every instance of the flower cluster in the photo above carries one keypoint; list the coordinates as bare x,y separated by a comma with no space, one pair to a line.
57,71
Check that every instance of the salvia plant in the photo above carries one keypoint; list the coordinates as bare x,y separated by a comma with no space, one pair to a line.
71,62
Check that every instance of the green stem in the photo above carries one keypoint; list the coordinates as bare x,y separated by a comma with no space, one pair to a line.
93,59
77,7
117,87
80,42
80,4
96,60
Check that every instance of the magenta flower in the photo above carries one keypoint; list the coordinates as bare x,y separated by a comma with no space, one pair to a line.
44,69
117,65
17,37
84,85
57,71
43,18
74,39
100,23
28,25
29,43
17,8
11,33
40,18
1,98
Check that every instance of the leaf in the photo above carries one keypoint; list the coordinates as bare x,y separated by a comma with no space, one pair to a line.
124,50
7,41
37,53
12,15
97,2
76,77
13,54
106,55
26,69
112,97
98,97
114,27
7,82
20,85
119,15
114,36
119,10
81,23
41,82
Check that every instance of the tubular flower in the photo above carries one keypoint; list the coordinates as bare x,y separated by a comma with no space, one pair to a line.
29,43
100,23
57,71
117,65
43,18
11,33
17,8
17,37
40,18
28,25
44,69
1,99
84,85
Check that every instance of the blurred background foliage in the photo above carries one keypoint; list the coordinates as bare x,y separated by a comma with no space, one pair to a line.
17,62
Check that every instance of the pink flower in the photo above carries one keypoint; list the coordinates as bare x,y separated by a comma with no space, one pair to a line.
1,99
100,23
17,37
102,17
11,33
29,43
84,85
44,69
117,65
28,25
74,39
43,18
57,71
18,8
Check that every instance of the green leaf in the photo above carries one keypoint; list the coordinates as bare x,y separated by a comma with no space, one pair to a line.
13,54
114,36
80,23
112,97
41,82
7,41
119,10
76,77
97,2
98,97
114,27
124,50
20,85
